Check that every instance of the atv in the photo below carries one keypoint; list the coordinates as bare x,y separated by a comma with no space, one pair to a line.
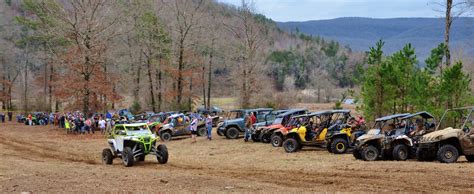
263,134
132,142
394,137
453,137
178,125
313,129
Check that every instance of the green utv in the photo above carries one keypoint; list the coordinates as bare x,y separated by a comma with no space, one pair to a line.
132,142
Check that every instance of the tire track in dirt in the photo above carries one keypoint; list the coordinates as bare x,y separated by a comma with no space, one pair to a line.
44,152
337,180
286,178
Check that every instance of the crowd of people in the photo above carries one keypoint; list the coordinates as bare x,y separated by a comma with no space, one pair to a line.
72,122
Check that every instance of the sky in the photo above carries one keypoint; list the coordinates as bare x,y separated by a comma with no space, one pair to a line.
304,10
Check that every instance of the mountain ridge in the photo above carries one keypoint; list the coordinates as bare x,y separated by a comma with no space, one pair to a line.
360,33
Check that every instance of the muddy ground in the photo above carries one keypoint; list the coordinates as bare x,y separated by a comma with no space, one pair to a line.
45,159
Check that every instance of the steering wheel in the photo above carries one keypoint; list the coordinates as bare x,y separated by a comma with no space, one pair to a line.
466,129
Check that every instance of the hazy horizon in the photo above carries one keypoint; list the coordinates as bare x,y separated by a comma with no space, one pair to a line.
308,10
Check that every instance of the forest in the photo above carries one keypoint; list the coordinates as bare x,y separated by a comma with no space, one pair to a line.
158,55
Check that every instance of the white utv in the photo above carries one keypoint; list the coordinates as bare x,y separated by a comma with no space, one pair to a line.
132,142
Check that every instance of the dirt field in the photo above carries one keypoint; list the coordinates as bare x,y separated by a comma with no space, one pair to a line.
43,159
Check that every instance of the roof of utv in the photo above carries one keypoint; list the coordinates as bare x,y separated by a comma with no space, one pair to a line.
131,125
390,117
290,112
423,114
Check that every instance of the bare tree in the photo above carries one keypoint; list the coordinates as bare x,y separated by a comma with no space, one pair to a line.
251,35
451,9
187,17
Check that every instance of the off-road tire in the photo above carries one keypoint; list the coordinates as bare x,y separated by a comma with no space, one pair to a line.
127,157
470,158
400,152
255,138
356,154
276,139
328,147
370,153
166,136
291,145
202,131
424,155
141,158
265,138
232,133
162,154
447,154
107,156
339,146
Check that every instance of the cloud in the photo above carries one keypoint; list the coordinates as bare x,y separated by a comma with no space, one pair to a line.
302,10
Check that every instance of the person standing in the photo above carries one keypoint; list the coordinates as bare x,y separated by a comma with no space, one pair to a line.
30,119
88,126
253,117
193,127
248,126
10,115
102,125
67,126
209,126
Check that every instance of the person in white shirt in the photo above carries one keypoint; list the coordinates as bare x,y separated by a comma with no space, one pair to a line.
102,125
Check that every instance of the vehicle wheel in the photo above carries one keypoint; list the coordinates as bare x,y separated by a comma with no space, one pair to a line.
162,154
165,136
127,156
255,138
141,158
328,147
400,152
470,158
232,133
339,146
291,145
356,154
202,131
107,156
423,155
447,154
370,153
276,140
265,138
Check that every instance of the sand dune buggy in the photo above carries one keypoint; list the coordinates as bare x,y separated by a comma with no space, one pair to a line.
394,137
131,143
313,129
453,137
178,125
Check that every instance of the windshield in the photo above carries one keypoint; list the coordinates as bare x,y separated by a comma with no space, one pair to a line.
156,118
235,115
456,119
278,120
138,130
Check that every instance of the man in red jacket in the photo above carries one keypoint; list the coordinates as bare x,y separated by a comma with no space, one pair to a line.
253,118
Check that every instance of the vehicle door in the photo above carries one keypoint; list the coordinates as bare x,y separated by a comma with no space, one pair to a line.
181,128
119,134
467,140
